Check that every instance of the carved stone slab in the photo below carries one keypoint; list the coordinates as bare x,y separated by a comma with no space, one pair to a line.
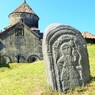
66,57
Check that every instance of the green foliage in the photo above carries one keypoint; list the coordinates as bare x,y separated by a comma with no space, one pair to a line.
23,79
30,79
91,51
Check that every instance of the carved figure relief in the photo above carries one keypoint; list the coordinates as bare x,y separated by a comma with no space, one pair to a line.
65,54
67,66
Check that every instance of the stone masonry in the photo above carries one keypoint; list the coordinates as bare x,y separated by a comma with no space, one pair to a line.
21,40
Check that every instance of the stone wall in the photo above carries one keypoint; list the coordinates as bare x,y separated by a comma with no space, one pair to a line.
21,46
30,20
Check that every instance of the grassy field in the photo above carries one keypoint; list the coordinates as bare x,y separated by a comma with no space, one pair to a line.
30,79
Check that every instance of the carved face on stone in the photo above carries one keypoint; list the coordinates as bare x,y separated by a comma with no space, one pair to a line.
66,49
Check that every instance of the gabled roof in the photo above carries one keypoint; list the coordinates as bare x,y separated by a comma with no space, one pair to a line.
11,26
88,35
24,8
7,28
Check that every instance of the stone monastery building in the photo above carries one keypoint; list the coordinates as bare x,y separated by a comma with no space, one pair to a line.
21,40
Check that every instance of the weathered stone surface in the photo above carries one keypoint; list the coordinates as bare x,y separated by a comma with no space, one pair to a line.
66,57
26,14
19,43
21,39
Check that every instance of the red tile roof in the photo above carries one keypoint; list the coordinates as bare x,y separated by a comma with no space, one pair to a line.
24,7
88,35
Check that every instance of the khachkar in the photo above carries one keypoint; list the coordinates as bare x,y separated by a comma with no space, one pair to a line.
66,57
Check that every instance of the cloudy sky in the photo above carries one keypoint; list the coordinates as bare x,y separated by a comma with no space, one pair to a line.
79,14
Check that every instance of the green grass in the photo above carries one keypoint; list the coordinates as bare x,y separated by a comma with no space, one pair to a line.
23,79
91,51
30,79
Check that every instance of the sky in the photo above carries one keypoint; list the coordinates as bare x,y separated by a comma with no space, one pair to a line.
79,14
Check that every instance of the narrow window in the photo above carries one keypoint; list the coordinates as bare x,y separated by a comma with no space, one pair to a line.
19,31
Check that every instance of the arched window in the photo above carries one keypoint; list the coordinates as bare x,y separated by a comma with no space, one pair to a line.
33,58
4,59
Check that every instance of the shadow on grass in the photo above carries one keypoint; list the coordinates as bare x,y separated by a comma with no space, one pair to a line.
92,78
4,65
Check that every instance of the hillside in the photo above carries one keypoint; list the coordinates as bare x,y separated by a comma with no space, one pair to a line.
30,79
